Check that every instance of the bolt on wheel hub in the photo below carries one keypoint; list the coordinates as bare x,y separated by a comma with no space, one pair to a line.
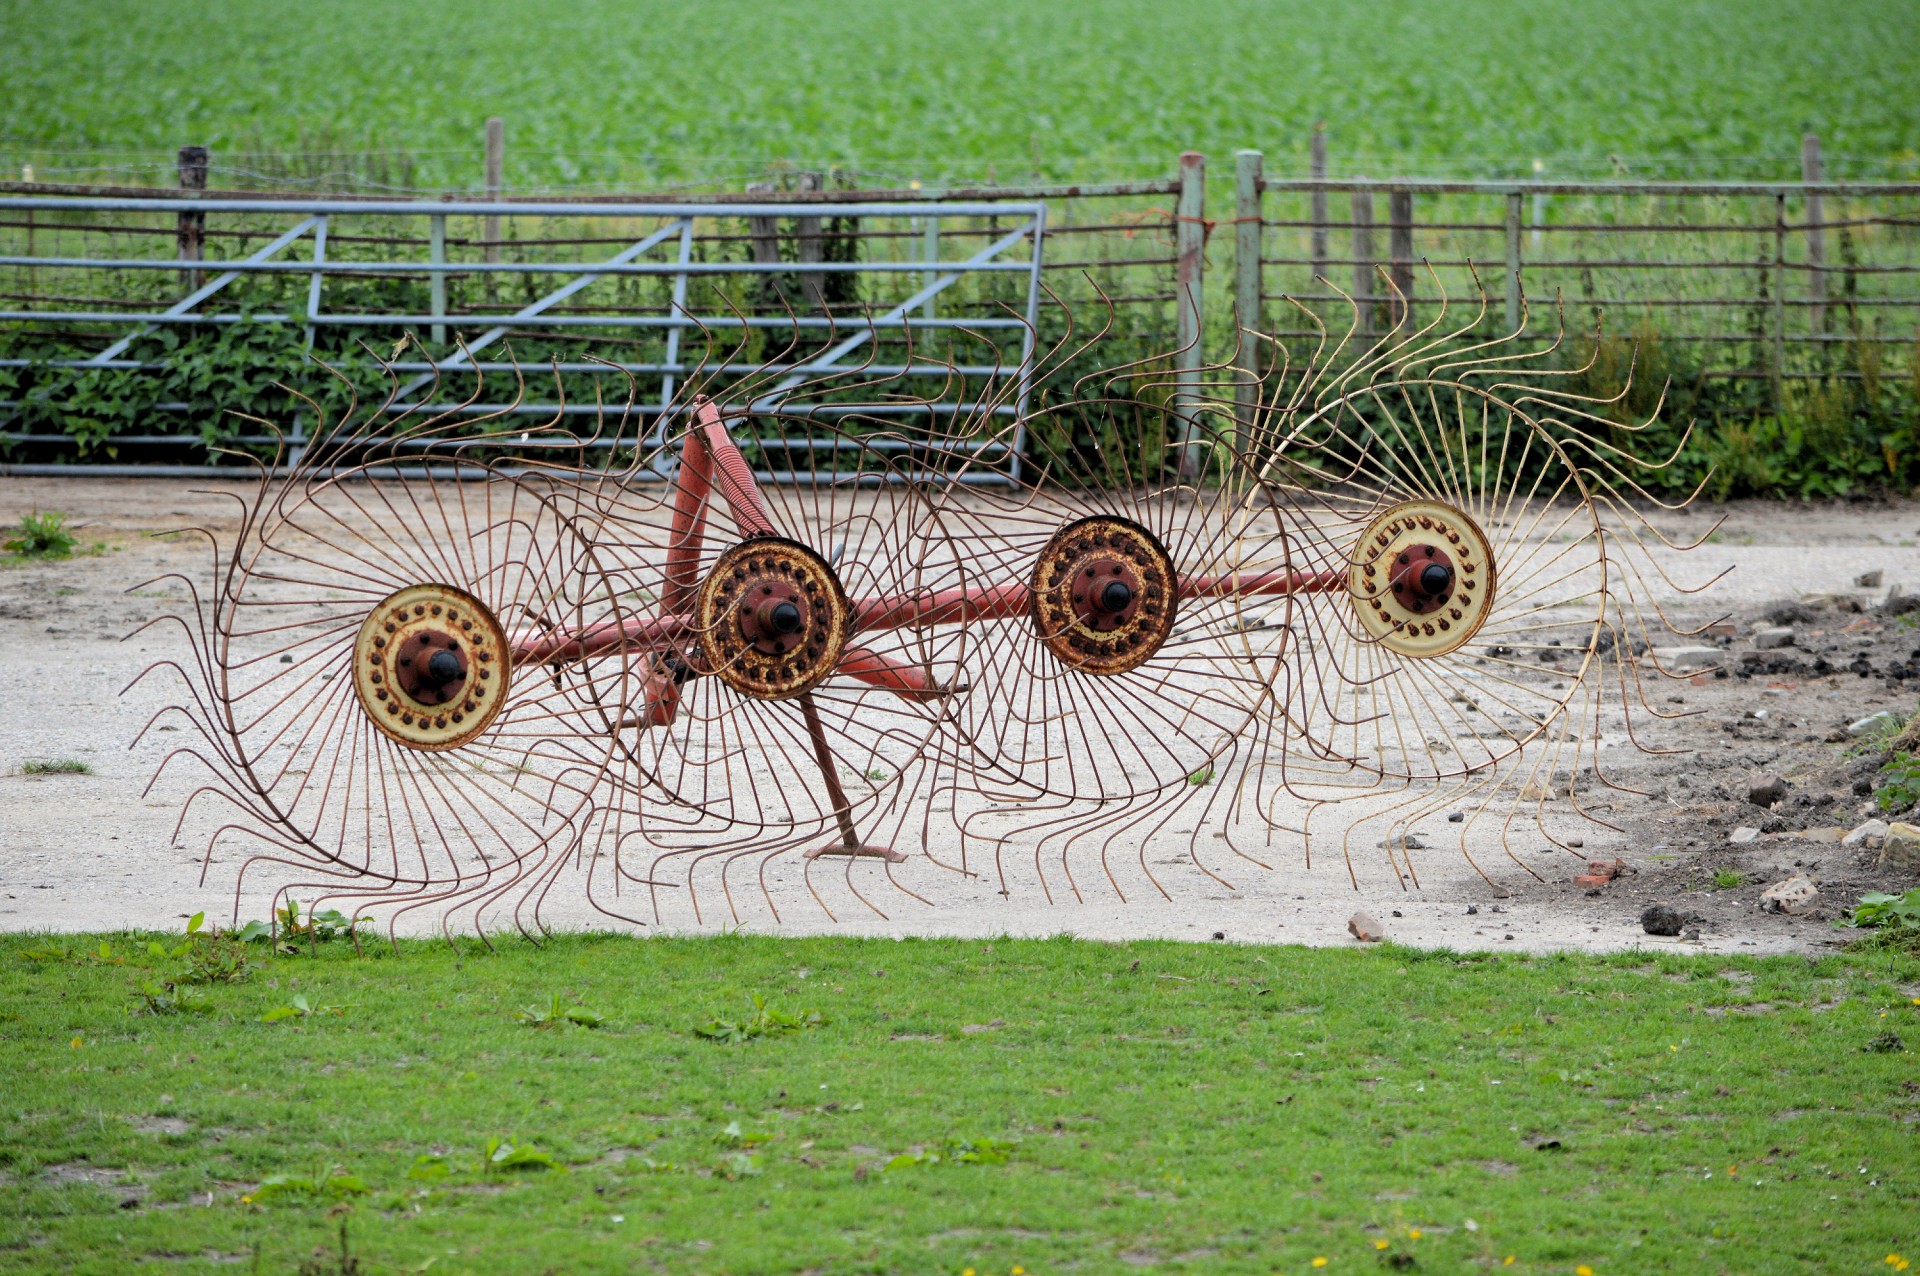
1103,594
430,666
772,618
1422,578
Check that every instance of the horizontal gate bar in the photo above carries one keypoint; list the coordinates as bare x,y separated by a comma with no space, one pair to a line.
1447,186
443,208
335,266
531,321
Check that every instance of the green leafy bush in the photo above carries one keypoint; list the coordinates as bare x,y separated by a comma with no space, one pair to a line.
1895,912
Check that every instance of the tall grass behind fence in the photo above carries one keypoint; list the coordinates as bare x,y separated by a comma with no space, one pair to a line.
1785,322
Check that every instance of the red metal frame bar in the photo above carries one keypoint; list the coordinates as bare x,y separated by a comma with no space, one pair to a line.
911,611
709,459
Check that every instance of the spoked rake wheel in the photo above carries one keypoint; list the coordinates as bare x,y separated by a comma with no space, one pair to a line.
785,642
1423,578
430,667
362,704
1472,604
1474,661
1140,585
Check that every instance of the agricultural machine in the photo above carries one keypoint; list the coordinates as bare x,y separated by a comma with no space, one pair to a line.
451,663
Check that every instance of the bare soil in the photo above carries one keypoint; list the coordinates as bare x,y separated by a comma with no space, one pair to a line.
97,851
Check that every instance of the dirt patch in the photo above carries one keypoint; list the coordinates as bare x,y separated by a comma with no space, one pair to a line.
160,1125
1781,712
221,1257
115,1182
80,1172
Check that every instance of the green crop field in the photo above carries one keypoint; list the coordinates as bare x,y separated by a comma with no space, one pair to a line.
599,91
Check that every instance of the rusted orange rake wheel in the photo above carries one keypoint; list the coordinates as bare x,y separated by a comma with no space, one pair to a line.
788,646
1135,586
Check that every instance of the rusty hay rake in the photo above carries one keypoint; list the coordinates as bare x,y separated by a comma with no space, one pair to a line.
787,648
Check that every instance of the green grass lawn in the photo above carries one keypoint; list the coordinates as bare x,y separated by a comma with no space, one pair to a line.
640,90
1049,1106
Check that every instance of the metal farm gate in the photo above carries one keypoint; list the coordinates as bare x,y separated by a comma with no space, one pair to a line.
945,291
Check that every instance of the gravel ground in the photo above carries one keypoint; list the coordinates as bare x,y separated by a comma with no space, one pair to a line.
96,851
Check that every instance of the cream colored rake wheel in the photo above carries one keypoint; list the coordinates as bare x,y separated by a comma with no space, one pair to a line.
1476,579
430,666
1423,578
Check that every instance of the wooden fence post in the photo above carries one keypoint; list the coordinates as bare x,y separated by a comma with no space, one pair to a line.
1317,170
1363,261
810,245
190,230
1779,335
1813,169
764,234
437,286
1247,228
496,167
1539,203
1400,250
1190,247
930,251
1513,262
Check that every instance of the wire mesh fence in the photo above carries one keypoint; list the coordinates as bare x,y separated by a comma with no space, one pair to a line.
1759,279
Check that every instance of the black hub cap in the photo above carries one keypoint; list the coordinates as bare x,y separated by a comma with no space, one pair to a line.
444,667
1115,596
785,619
1436,579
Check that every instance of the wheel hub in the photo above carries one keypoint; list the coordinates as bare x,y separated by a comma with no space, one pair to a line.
1422,578
429,666
1103,594
772,618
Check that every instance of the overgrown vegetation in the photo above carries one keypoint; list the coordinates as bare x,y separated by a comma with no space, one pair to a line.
1853,428
206,375
963,1104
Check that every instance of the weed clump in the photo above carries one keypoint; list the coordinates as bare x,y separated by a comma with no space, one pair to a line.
42,536
763,1022
56,766
1893,919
